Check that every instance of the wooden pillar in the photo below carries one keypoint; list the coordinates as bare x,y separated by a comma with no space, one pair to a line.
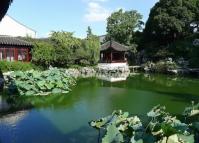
101,56
5,54
16,54
111,56
28,55
124,56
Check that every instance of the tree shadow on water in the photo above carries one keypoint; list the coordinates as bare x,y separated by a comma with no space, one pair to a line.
178,97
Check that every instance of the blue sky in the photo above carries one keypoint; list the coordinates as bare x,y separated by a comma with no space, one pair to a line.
72,16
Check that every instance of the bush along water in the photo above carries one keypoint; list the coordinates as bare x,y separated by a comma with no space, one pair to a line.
161,127
33,82
6,66
163,66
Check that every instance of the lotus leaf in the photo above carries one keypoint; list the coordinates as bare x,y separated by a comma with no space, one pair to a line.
42,82
112,135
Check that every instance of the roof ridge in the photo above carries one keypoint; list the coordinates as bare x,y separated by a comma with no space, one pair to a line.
119,43
115,45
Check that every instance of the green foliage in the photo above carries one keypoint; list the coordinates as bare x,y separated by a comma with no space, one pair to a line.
15,66
43,53
42,82
170,20
164,66
192,110
62,49
89,32
168,30
65,45
121,26
194,56
160,128
92,46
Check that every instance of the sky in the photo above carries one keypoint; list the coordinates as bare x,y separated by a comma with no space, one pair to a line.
75,16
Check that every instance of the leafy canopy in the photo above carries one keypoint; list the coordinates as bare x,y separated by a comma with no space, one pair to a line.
170,20
43,53
121,26
65,45
62,49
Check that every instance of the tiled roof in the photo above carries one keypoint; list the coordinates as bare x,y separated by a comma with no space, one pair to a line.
13,41
115,45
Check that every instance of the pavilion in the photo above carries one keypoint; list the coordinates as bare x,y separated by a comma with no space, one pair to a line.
113,52
113,65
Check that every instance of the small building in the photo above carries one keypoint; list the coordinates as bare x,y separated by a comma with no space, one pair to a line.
11,27
113,64
14,49
113,52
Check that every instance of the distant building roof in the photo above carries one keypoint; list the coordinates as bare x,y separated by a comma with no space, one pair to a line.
13,41
115,45
102,38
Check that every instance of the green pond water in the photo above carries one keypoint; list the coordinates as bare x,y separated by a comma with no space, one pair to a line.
64,118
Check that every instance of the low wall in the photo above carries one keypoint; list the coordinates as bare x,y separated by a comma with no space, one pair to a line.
109,72
113,71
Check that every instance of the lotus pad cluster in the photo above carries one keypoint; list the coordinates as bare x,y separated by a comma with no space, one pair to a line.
33,82
160,127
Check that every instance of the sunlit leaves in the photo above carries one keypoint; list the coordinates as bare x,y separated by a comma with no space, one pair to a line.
161,128
112,135
192,110
42,82
121,26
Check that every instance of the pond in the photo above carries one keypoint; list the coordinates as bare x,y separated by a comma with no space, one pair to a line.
64,118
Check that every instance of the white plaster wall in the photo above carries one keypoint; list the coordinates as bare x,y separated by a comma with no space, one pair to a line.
9,26
112,65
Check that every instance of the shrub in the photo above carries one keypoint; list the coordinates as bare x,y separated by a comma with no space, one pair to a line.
43,53
164,66
15,66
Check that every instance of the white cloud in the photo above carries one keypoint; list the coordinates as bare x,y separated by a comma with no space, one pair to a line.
96,12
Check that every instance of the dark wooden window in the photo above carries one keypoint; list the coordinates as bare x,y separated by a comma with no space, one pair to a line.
15,54
10,54
23,54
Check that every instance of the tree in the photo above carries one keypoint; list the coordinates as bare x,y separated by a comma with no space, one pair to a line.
43,53
92,47
121,26
4,5
170,20
65,45
89,32
62,49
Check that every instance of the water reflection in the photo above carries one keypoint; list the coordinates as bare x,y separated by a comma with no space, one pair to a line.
64,118
113,77
4,106
13,119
